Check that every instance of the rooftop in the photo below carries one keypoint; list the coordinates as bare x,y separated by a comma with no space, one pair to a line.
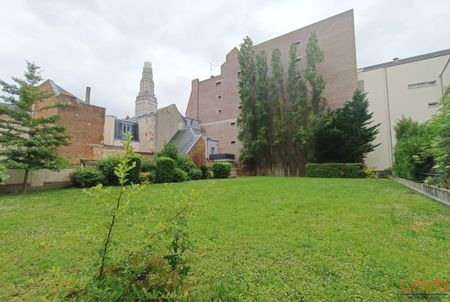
406,60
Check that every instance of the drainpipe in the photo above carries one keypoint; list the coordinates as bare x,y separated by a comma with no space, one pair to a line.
391,157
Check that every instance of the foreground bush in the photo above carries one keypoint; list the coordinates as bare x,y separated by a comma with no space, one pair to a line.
165,169
86,178
221,169
107,166
335,170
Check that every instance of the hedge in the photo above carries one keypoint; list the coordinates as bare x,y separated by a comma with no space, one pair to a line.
165,169
221,169
335,170
86,178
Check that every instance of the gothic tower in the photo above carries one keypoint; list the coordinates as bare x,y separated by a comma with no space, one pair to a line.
146,102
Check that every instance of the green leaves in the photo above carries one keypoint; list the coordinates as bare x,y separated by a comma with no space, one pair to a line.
29,142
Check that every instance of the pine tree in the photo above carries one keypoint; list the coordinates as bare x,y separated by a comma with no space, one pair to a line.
247,116
346,134
28,142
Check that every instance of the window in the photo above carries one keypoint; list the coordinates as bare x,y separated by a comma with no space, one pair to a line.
218,83
233,142
239,74
126,129
433,104
212,150
233,123
219,110
297,42
421,84
219,97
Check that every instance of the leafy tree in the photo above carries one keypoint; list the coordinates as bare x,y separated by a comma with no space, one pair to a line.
29,142
314,56
299,111
262,112
412,153
278,100
247,116
346,134
440,125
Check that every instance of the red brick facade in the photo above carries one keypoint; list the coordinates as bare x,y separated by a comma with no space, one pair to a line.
84,122
215,101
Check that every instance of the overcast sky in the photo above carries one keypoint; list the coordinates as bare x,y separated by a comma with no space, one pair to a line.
103,44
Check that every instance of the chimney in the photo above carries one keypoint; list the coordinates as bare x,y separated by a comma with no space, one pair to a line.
87,98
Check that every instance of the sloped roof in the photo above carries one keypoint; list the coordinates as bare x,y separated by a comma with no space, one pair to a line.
185,139
58,90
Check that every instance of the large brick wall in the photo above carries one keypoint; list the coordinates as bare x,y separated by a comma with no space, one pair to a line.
84,122
215,101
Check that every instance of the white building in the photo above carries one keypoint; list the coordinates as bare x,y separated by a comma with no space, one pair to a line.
410,87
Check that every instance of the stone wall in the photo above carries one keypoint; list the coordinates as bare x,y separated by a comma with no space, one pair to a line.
37,180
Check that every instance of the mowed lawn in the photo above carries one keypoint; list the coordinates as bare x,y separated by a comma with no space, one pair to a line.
254,239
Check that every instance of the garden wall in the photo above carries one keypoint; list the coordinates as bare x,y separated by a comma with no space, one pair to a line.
438,194
37,180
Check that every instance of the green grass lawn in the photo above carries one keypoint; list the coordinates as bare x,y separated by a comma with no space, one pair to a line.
255,239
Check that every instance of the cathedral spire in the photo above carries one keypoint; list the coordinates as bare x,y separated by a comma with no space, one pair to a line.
146,102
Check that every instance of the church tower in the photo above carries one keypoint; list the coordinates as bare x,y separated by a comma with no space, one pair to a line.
146,102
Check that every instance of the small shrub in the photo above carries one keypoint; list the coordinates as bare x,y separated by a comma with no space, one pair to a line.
86,178
195,174
179,175
185,163
204,170
165,169
335,170
370,172
148,165
221,169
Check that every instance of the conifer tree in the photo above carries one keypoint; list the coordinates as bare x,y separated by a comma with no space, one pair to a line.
346,134
28,142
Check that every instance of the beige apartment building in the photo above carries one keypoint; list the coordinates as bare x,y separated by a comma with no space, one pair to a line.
215,101
410,87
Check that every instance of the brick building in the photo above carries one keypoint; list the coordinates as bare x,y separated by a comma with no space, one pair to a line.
84,121
216,101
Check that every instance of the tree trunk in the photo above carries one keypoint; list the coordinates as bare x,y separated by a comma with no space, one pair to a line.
25,178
